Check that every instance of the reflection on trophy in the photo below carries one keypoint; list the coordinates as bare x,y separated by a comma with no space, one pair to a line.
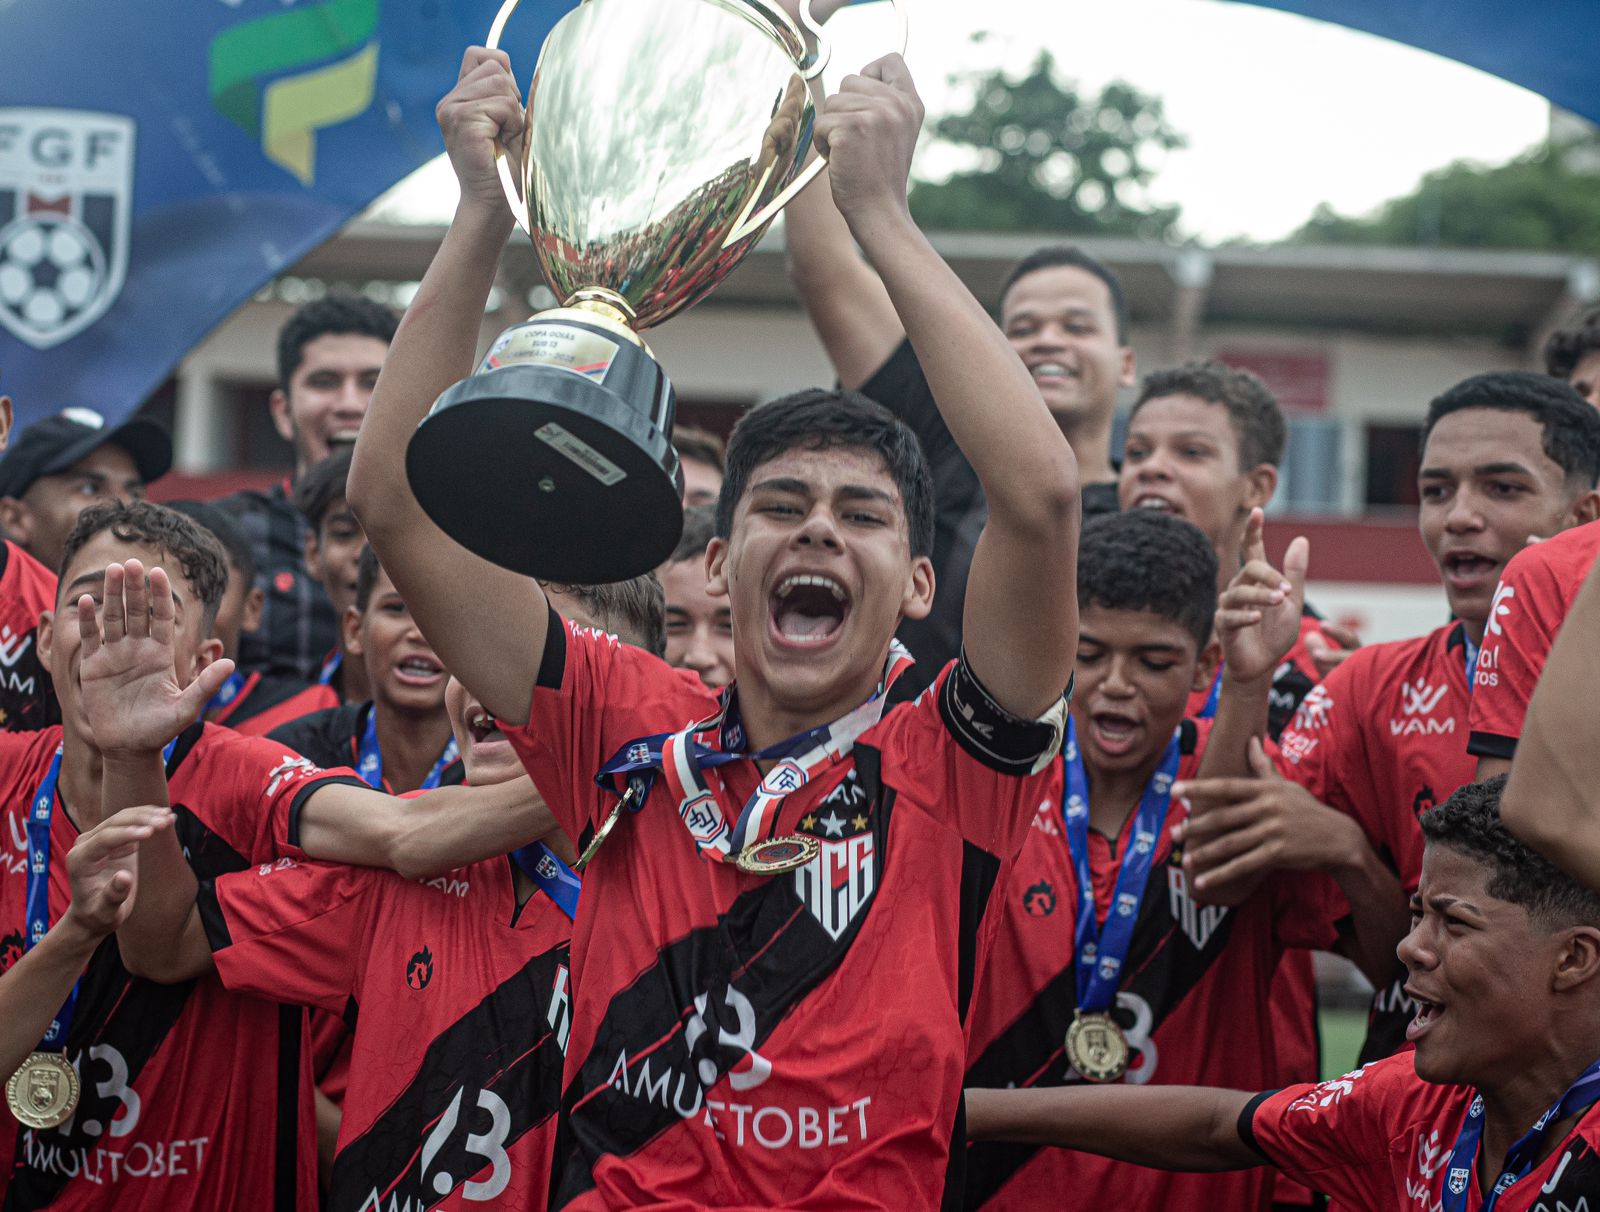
662,137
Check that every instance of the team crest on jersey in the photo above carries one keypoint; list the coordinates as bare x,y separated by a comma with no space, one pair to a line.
1198,922
837,884
66,189
419,970
10,950
1040,899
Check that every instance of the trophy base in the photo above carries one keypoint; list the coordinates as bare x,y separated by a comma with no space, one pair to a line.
548,472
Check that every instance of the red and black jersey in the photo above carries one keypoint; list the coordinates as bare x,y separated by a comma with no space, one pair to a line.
193,1097
258,693
1530,604
303,702
1382,740
27,587
748,1041
332,737
464,1004
1193,1004
1381,1138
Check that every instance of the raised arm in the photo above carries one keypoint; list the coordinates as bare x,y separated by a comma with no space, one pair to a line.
1021,617
1166,1127
487,624
1552,802
34,988
428,835
842,294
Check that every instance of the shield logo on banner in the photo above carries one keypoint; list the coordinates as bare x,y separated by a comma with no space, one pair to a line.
66,191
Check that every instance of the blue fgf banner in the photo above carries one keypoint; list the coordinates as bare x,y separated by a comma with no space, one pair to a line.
160,161
1543,45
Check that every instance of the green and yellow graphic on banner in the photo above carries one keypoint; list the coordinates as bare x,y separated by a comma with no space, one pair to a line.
250,89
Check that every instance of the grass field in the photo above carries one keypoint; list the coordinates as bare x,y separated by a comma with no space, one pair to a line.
1342,1033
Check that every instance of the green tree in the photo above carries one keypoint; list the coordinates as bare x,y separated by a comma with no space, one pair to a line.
1051,159
1545,199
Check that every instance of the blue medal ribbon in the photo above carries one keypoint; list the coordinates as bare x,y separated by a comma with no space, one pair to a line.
1214,699
1472,659
1580,1096
40,813
555,879
369,758
1101,951
330,668
228,692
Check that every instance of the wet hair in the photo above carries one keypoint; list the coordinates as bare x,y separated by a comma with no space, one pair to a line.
634,611
1252,408
1144,560
1571,424
235,543
1469,823
367,570
699,528
822,419
322,484
699,444
1569,343
336,313
1068,256
199,555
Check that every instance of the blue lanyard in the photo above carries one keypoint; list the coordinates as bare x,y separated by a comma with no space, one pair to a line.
555,879
1472,659
369,759
38,895
330,668
1101,952
1209,711
228,692
1580,1096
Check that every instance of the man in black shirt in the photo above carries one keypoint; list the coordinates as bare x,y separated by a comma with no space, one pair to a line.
329,355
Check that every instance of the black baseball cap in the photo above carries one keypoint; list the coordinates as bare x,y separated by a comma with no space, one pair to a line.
56,443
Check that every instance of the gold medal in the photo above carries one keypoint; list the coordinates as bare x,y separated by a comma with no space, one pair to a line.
600,834
777,855
1096,1047
43,1092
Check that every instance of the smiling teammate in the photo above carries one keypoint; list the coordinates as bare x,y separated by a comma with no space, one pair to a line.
741,1038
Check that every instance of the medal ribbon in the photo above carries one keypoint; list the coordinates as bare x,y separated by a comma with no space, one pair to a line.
330,668
683,759
40,812
555,879
1100,951
1580,1096
369,758
1472,660
1214,699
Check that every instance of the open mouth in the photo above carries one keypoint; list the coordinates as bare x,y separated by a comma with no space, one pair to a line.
1151,501
808,609
483,727
1428,1013
1050,372
1465,568
419,671
1114,732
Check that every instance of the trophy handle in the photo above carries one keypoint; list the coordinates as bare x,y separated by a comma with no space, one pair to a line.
806,175
514,199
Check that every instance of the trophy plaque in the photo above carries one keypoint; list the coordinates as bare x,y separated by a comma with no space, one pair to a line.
662,136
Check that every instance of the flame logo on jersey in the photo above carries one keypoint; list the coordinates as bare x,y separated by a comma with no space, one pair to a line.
10,950
1040,899
419,971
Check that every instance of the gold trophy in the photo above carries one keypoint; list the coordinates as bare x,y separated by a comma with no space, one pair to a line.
662,137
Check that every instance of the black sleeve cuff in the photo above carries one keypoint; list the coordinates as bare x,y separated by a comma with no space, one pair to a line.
553,664
1247,1124
216,926
1003,742
301,796
1492,745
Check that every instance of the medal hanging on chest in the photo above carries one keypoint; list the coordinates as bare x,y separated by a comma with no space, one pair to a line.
1095,1045
687,762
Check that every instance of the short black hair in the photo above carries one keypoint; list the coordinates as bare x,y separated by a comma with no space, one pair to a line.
635,611
699,444
337,312
235,543
823,419
1252,408
1469,822
699,528
1145,560
1567,346
1571,424
367,570
199,555
1070,256
322,484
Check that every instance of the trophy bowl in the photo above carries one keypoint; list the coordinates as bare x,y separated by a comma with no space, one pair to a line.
662,136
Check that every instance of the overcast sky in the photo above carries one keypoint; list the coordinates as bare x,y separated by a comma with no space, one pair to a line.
1281,112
